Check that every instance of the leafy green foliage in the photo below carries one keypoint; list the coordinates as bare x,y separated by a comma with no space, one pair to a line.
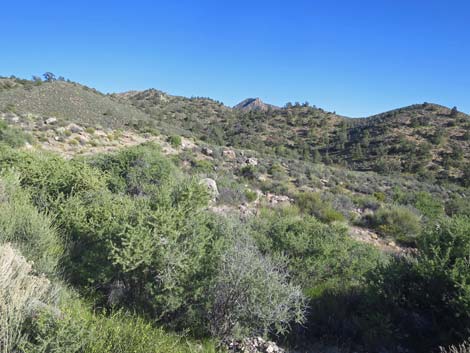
312,204
135,171
77,330
428,297
12,136
320,255
428,205
50,178
398,222
177,244
175,141
28,230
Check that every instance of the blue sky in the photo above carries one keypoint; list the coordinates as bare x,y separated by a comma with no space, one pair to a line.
357,57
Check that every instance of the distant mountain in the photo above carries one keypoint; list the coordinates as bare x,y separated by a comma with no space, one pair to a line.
251,104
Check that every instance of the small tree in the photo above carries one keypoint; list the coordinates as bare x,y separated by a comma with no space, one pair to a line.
49,77
454,112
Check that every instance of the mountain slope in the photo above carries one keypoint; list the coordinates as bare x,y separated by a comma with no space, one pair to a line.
426,140
196,114
70,101
429,140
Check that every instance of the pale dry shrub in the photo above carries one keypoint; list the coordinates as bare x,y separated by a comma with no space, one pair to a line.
461,348
20,293
253,294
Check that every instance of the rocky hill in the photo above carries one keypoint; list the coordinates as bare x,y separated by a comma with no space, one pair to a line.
251,104
427,140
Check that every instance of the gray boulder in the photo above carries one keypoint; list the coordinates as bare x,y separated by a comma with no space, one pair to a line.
211,186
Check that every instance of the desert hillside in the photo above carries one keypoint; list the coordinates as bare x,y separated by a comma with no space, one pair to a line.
146,222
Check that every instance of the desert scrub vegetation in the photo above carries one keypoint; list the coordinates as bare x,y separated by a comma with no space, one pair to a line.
28,229
314,205
152,269
128,218
397,222
174,140
79,330
13,136
320,255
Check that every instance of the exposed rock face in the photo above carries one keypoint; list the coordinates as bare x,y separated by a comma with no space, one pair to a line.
211,186
254,104
254,345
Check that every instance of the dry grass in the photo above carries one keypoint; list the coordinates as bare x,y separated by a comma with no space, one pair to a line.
20,292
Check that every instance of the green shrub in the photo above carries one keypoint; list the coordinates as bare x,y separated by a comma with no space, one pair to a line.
175,141
202,166
13,136
428,297
251,195
398,222
312,204
49,177
380,196
458,206
248,171
90,222
137,170
170,238
30,231
320,255
428,205
78,330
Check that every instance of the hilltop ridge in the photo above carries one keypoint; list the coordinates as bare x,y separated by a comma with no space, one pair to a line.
422,139
250,104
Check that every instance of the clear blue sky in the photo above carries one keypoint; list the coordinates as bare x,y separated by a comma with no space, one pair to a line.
355,57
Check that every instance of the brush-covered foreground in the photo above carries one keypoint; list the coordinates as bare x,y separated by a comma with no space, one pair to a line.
120,249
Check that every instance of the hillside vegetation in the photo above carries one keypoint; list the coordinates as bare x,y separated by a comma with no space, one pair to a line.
178,224
426,140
